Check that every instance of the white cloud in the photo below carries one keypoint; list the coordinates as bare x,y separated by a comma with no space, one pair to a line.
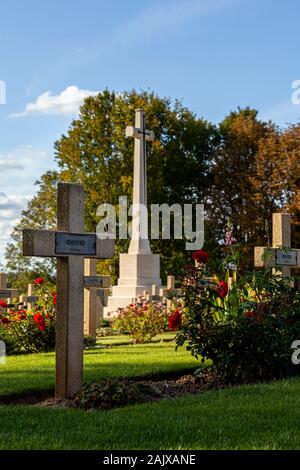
10,211
26,164
282,113
7,165
150,24
66,103
157,18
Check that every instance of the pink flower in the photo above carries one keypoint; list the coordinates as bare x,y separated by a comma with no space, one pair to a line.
229,238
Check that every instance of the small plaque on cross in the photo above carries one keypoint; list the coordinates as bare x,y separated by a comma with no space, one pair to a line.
286,258
75,244
5,294
96,281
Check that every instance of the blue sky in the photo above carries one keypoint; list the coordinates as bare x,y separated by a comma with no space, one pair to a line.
215,55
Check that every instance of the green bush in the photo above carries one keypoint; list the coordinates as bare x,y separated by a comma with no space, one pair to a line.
12,345
246,330
113,393
30,331
141,321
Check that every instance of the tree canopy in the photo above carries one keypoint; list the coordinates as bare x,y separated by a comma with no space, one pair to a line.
242,170
96,153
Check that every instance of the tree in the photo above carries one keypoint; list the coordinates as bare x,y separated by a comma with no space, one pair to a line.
96,153
289,176
40,214
245,190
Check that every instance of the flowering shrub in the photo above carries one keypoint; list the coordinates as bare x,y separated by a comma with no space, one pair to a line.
30,331
247,329
200,256
141,321
39,281
175,320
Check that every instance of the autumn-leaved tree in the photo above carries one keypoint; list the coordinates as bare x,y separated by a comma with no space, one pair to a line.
96,153
39,214
242,190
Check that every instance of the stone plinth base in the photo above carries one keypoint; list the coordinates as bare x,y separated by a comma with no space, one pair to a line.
138,272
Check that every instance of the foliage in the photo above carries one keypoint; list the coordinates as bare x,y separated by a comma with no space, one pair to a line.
244,169
246,329
141,321
11,343
96,153
31,331
113,393
246,186
39,214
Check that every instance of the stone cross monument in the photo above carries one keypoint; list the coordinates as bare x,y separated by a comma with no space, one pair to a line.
281,255
139,268
70,245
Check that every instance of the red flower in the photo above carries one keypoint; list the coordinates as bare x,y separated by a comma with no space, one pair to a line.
39,281
5,321
250,314
3,304
39,321
200,256
175,320
21,315
222,289
54,298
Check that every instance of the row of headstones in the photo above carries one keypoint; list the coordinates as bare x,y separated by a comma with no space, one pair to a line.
96,292
165,295
24,301
70,245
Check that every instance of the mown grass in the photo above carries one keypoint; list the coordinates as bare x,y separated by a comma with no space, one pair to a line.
36,372
265,416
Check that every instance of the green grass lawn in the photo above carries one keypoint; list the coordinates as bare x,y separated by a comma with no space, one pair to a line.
252,417
264,416
35,372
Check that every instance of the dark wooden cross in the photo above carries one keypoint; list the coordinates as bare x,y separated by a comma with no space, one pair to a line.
70,245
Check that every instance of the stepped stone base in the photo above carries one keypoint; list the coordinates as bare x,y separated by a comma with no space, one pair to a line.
138,272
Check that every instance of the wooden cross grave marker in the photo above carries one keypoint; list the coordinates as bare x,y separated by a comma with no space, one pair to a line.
6,293
93,306
30,299
281,254
70,245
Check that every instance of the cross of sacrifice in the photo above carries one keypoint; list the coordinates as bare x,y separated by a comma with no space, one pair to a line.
281,254
70,245
139,239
